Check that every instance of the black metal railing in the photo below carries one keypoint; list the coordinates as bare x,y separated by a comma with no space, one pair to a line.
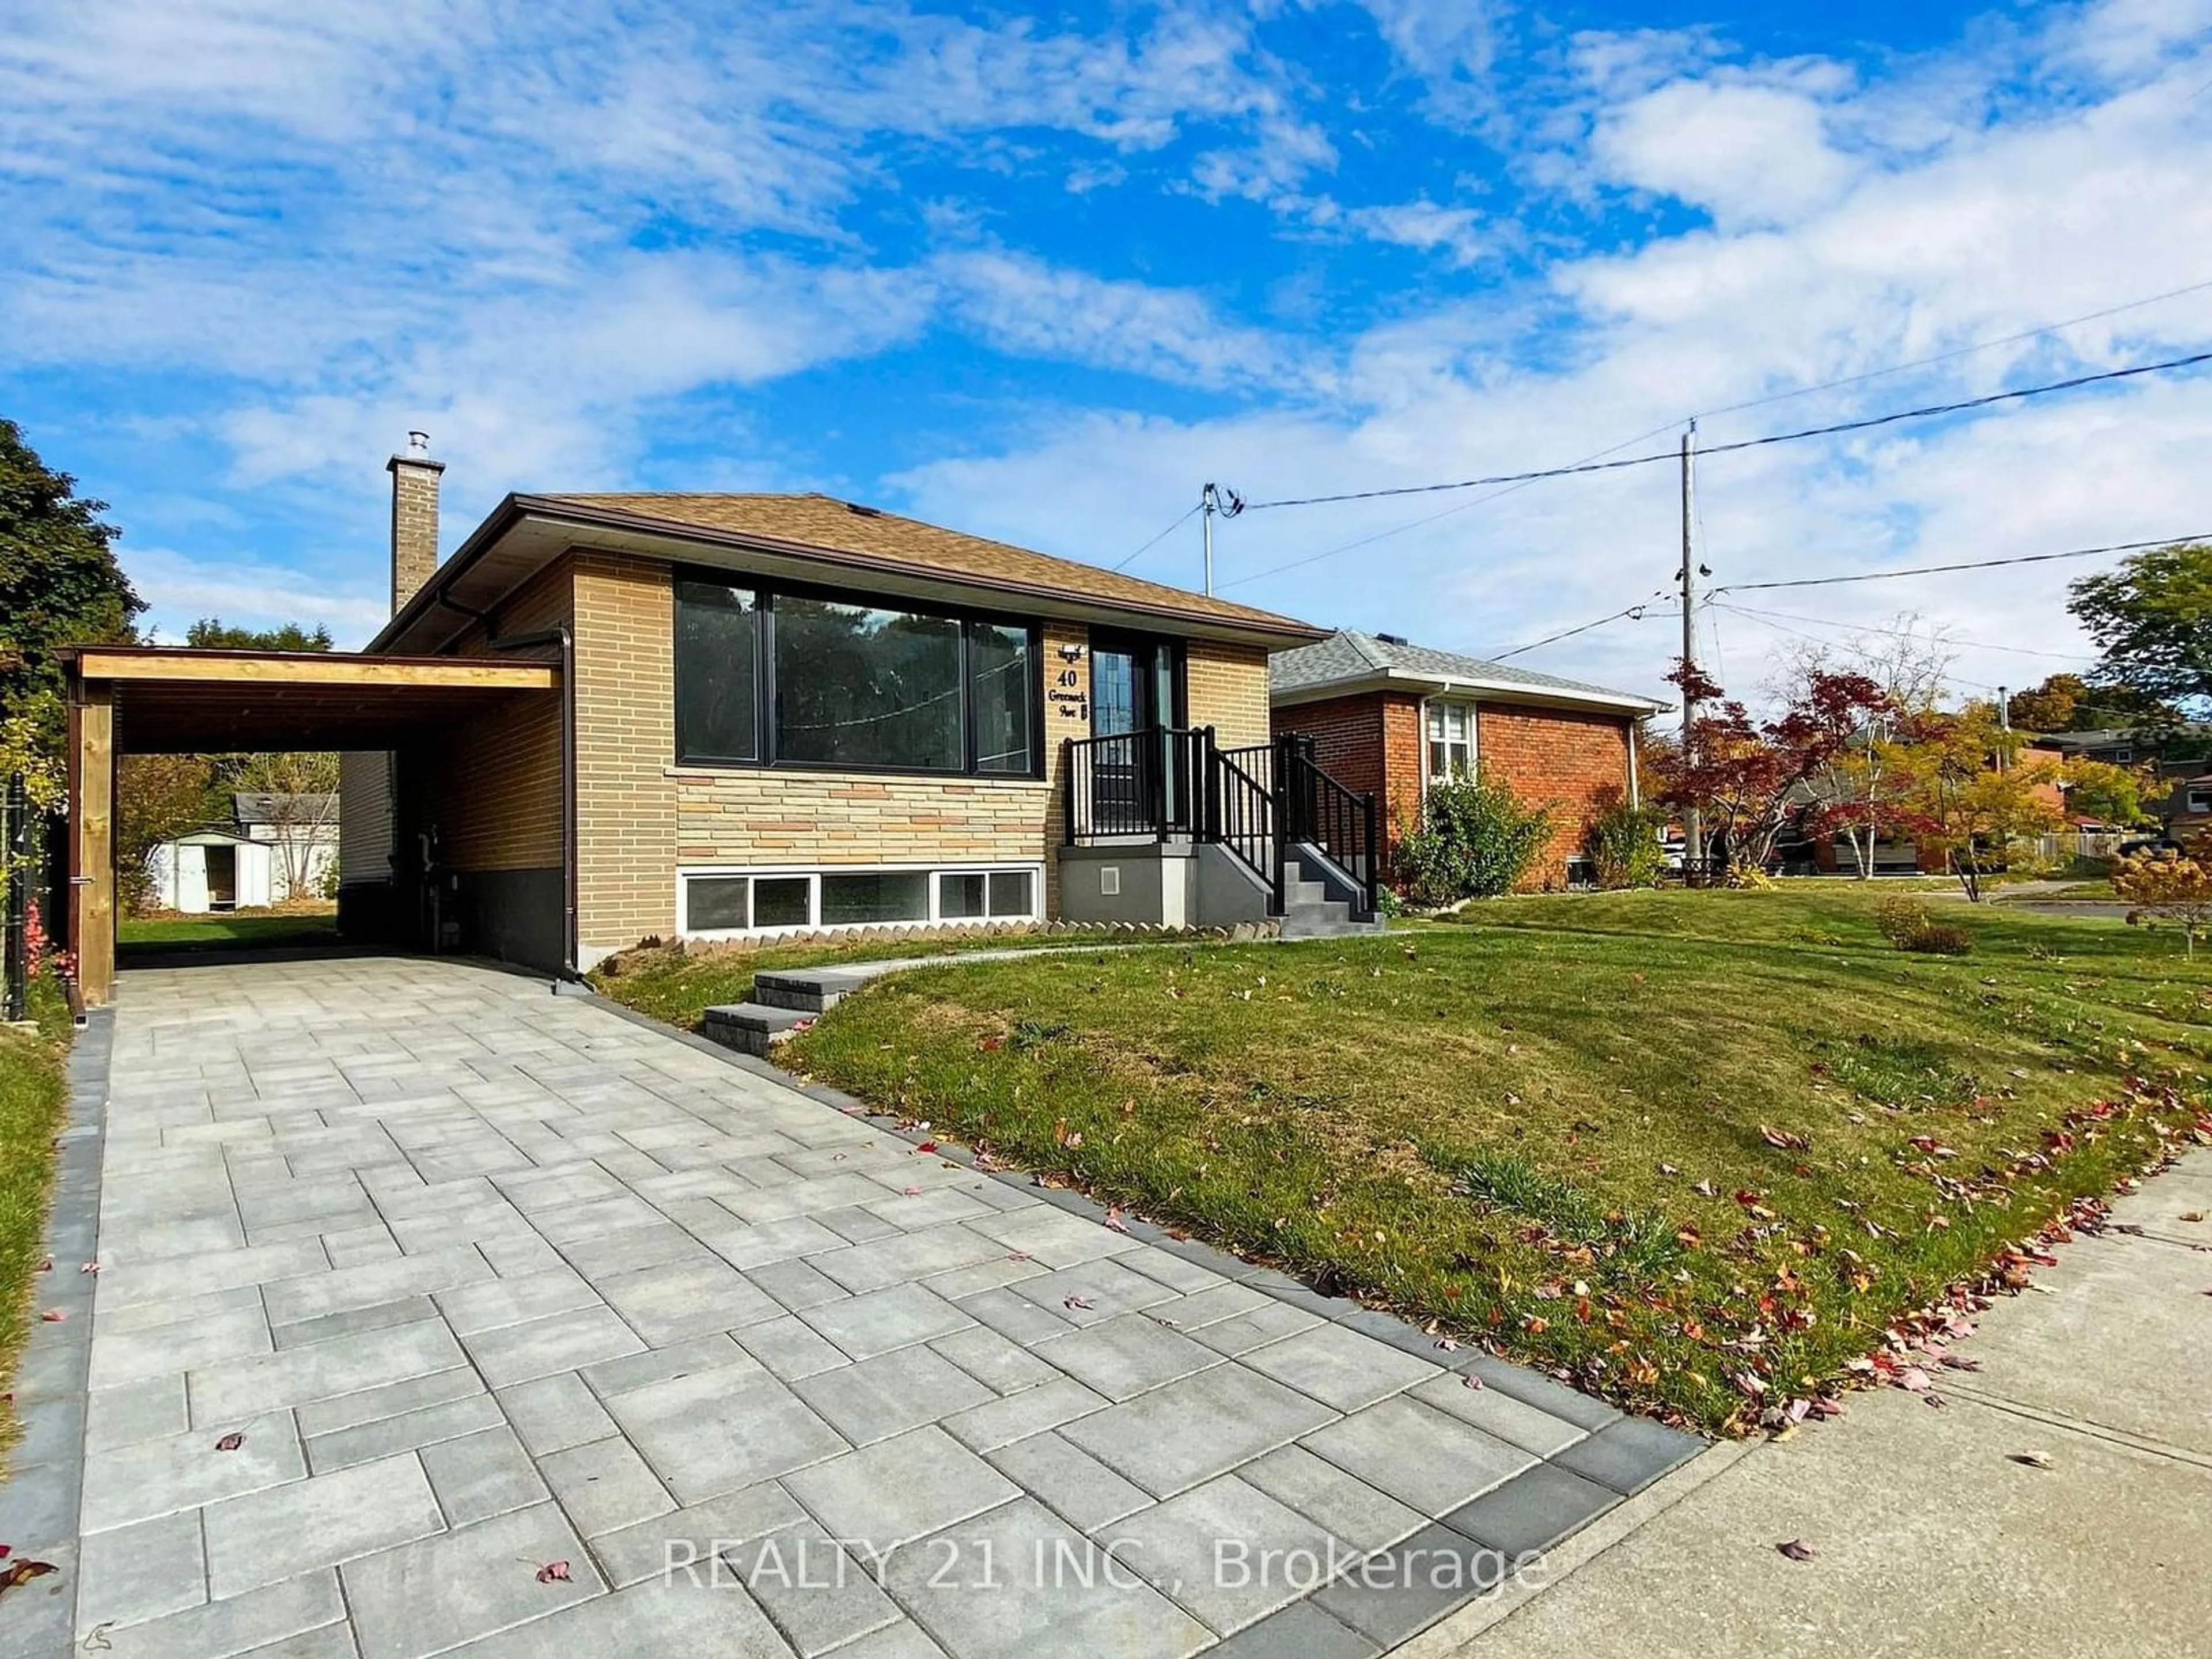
1320,813
1240,816
1170,783
1135,784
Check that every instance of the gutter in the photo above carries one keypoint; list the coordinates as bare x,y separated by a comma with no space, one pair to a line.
1433,686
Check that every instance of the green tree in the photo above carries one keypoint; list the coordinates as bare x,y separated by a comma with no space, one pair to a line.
2100,790
212,634
2152,620
60,585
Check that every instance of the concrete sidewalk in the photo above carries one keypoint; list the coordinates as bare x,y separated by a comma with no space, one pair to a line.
1928,1538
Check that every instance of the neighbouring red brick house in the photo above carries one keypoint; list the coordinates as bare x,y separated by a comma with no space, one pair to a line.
1389,716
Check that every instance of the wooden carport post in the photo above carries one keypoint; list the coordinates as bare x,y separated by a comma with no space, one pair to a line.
92,839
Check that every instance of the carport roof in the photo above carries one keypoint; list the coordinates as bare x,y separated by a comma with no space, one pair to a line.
189,701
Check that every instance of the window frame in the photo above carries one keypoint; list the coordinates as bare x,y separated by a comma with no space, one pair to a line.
1437,705
812,874
766,737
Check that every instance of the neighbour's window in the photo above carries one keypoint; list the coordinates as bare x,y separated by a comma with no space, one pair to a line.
2122,757
2200,800
1451,747
786,680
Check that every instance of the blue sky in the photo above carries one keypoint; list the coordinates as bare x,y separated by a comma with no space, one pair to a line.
1040,274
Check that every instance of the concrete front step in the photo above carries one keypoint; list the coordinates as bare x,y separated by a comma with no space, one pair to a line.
1304,929
752,1027
810,990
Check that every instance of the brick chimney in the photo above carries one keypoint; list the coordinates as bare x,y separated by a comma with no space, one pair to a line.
414,518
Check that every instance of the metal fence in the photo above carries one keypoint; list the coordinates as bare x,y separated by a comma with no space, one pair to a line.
23,840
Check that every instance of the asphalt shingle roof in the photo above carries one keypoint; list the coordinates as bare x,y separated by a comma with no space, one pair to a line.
1348,655
871,535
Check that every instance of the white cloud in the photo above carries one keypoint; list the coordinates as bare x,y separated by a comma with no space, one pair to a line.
1747,154
179,590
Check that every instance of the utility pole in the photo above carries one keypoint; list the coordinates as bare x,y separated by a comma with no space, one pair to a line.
1694,829
1208,502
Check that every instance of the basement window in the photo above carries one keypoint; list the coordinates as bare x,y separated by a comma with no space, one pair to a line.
733,903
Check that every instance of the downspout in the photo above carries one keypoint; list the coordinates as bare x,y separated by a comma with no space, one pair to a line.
564,636
1635,795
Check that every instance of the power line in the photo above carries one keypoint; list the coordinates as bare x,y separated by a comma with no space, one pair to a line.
1416,524
1910,634
1635,610
1812,639
1155,540
1835,429
1956,352
1971,564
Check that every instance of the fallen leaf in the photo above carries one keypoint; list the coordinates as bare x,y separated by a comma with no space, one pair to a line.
1078,1302
231,1442
554,1572
1448,1344
90,1267
1934,1399
926,1146
21,1573
2033,1460
2191,1215
1796,1549
913,1192
1115,1223
1913,1378
1019,1255
54,1316
1470,1381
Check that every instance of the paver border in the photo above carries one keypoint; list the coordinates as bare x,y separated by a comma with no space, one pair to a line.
54,1375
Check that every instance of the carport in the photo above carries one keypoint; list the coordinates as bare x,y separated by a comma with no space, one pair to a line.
152,700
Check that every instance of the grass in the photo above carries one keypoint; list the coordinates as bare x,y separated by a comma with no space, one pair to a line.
1664,1142
678,986
34,1096
231,930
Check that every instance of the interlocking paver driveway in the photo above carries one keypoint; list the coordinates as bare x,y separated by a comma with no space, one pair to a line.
490,1280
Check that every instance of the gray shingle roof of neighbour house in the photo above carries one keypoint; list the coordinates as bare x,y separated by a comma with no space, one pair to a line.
1350,659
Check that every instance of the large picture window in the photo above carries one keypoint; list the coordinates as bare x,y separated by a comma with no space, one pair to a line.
799,679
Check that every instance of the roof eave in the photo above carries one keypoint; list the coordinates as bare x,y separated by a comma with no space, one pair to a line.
1258,627
1438,685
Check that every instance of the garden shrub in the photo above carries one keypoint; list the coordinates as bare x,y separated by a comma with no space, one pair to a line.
1906,923
1475,838
1623,846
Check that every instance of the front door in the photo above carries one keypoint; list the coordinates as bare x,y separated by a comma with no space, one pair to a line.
1136,689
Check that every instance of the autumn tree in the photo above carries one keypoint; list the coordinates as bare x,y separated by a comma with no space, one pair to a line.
300,797
2066,702
1968,791
1748,776
1860,794
2107,793
2169,886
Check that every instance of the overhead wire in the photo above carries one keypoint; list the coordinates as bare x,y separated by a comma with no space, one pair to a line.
1907,633
1634,610
1969,564
1926,411
1157,540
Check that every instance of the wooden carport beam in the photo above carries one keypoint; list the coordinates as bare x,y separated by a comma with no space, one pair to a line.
92,842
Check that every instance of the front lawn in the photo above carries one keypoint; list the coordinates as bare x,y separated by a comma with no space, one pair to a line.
33,1096
1685,1146
231,930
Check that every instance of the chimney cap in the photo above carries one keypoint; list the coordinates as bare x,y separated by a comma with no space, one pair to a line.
417,454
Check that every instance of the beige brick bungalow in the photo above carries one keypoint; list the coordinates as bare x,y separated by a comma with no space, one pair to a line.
783,713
